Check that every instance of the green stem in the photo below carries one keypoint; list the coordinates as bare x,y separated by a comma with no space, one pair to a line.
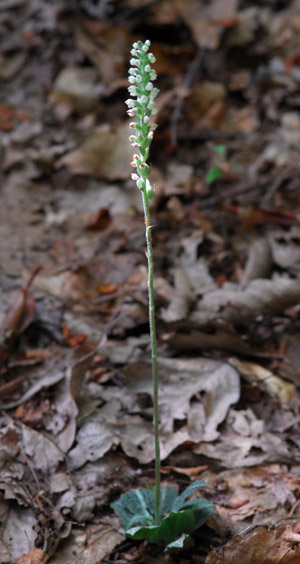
154,358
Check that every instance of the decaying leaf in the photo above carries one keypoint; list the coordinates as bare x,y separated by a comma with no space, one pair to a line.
41,450
247,451
35,556
117,422
206,19
18,531
261,297
262,494
76,88
179,305
259,261
276,387
103,154
89,544
280,546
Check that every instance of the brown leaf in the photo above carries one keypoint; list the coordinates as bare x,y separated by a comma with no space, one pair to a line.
261,297
98,220
207,19
17,318
36,556
103,154
281,546
108,288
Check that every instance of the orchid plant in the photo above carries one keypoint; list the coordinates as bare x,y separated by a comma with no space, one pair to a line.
157,514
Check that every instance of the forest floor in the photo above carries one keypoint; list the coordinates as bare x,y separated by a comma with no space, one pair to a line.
75,380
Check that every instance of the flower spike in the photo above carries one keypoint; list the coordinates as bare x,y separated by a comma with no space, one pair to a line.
140,79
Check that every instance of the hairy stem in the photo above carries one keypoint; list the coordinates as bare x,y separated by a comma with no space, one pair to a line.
154,358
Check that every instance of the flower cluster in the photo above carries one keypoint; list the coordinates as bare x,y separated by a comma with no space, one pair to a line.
140,78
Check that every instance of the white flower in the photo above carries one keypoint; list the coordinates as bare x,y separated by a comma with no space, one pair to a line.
133,52
143,99
132,125
134,62
151,58
130,103
145,48
153,74
131,138
147,68
132,112
138,78
149,86
154,93
132,71
131,79
135,45
134,176
146,119
132,90
148,42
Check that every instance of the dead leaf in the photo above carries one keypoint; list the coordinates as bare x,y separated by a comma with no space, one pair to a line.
90,544
98,220
284,392
285,247
235,452
4,554
18,531
261,297
182,299
108,288
281,546
18,318
117,422
258,494
207,20
71,338
103,154
35,556
106,46
76,88
259,261
41,450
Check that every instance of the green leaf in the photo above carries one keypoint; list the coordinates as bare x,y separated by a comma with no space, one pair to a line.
168,495
135,507
179,501
184,541
173,525
213,174
220,149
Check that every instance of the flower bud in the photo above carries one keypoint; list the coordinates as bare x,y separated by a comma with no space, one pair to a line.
149,190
